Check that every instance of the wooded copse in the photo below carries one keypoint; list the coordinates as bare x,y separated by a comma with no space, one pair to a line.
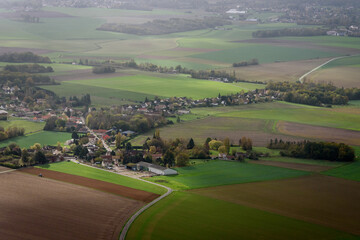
29,68
295,32
314,150
11,132
315,94
26,57
158,27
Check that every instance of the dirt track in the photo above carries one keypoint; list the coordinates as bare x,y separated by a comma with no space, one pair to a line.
319,199
95,184
35,208
297,166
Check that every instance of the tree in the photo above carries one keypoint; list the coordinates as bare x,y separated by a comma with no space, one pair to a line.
119,139
214,144
128,146
74,135
40,157
152,150
36,147
169,158
25,156
182,159
191,144
227,145
222,149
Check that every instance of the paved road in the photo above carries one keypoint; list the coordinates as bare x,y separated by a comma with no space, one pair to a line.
317,68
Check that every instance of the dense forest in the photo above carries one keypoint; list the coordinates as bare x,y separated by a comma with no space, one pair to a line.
158,27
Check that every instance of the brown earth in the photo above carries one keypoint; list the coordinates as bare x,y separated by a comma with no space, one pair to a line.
95,184
319,133
297,166
300,44
319,199
40,14
281,71
260,131
35,208
3,169
85,74
346,77
22,50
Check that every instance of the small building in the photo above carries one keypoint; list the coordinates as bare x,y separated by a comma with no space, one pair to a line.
3,115
155,169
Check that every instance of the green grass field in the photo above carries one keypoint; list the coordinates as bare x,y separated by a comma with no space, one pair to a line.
288,112
93,173
136,88
350,171
28,125
44,138
185,215
216,173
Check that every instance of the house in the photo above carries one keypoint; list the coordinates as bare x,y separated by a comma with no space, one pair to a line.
182,112
3,115
155,169
128,133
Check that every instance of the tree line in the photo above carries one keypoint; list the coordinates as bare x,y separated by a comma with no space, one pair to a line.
11,132
158,27
24,57
246,63
291,32
314,150
201,74
315,94
28,68
103,69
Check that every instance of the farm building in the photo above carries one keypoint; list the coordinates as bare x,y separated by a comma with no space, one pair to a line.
3,115
155,169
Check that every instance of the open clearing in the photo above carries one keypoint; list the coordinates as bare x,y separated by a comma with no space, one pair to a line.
44,138
96,184
318,199
216,173
41,208
184,215
319,133
106,176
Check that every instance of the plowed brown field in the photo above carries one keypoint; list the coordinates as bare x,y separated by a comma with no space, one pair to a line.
41,208
96,184
319,199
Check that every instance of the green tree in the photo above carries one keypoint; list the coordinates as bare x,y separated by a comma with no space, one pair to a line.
182,159
227,145
40,157
191,144
169,158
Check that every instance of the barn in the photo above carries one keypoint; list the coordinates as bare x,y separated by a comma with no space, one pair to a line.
155,169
